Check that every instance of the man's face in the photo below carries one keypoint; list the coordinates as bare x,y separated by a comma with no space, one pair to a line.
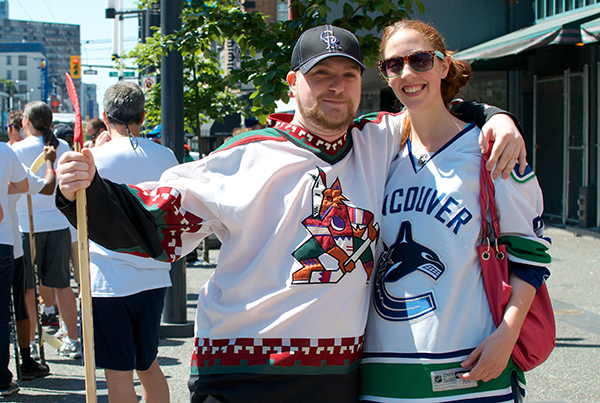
89,130
327,96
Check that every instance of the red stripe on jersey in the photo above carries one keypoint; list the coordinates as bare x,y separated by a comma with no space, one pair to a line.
227,355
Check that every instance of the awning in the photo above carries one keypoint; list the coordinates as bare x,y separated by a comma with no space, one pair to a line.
566,30
592,28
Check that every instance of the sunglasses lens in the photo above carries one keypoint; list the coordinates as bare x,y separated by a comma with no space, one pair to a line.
421,61
392,67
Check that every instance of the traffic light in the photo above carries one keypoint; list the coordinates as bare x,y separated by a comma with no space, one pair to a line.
75,67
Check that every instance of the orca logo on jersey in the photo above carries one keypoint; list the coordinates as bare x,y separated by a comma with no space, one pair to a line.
403,257
341,236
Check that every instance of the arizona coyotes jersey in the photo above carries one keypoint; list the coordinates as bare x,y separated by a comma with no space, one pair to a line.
428,307
299,221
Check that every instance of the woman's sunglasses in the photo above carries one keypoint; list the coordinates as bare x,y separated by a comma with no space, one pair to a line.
418,61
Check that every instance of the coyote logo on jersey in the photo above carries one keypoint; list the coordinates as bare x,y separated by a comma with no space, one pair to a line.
404,257
341,237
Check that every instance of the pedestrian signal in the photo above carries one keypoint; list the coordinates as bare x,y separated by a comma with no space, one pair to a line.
75,67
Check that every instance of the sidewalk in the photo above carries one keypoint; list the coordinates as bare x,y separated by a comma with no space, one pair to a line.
569,376
66,382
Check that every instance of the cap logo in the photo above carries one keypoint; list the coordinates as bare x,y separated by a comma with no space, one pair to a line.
331,40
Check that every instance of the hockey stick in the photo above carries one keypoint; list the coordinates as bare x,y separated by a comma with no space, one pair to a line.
15,336
32,253
84,261
44,336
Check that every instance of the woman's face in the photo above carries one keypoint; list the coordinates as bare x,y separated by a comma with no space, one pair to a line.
415,89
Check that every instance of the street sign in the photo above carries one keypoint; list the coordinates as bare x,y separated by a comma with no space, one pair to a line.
90,71
125,74
148,82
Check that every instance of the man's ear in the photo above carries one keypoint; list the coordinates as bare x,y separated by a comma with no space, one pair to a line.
291,80
143,117
105,118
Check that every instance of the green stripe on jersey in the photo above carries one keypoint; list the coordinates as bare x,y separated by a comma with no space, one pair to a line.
413,381
526,249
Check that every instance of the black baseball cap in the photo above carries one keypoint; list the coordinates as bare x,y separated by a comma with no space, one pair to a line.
322,42
62,131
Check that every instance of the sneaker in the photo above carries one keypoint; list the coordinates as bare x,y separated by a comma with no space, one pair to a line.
70,348
62,331
33,369
35,352
9,390
50,319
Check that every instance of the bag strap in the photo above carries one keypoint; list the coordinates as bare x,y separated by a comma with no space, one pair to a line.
487,200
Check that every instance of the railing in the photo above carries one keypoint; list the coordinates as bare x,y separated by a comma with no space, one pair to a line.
550,8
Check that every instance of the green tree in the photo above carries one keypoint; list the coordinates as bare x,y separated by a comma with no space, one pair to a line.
266,50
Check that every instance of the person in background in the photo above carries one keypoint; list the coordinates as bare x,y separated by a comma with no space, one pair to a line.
52,235
93,129
65,132
430,333
30,368
155,134
186,153
14,128
128,291
11,171
297,206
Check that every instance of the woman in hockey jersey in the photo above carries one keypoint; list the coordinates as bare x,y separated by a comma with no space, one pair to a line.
430,334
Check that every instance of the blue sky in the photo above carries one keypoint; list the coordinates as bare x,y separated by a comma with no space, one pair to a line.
94,27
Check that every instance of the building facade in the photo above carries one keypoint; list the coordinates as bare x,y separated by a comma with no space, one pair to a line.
60,41
548,64
23,66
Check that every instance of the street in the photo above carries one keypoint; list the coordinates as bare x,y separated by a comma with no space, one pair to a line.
569,376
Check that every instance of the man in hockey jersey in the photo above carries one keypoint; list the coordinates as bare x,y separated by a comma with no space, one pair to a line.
307,187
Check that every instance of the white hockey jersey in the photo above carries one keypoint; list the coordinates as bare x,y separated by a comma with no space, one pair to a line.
429,308
299,222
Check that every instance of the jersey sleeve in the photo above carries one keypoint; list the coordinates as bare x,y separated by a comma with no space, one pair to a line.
480,113
138,220
520,206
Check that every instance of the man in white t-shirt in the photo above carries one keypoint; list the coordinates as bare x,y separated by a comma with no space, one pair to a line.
128,291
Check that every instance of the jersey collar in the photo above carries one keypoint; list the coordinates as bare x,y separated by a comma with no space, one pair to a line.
330,152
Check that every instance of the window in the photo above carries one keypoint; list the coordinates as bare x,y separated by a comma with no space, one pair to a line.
283,11
8,60
22,89
9,74
549,8
23,60
22,74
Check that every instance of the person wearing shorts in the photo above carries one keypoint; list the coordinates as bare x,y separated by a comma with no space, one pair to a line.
52,237
126,330
128,291
30,368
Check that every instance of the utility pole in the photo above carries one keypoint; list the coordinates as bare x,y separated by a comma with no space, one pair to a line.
174,317
175,322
